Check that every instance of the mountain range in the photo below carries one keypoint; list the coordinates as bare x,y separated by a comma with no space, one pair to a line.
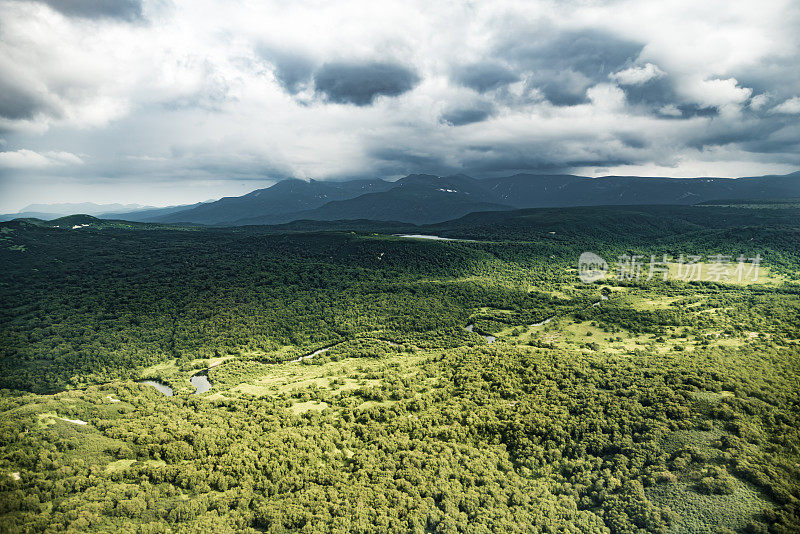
427,199
103,211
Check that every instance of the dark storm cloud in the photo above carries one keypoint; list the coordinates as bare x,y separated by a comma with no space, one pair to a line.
338,82
485,76
695,110
657,92
784,138
361,83
631,140
467,115
593,53
393,161
94,9
491,161
17,103
564,64
777,76
659,96
756,134
513,160
563,88
292,70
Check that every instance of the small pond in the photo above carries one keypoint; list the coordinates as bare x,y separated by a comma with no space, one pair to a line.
200,383
424,236
163,388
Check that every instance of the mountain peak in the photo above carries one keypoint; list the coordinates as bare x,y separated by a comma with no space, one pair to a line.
417,178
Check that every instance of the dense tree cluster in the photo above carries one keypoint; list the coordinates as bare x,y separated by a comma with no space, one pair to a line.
422,426
481,439
82,308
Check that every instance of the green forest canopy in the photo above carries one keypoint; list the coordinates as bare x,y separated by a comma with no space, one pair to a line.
669,407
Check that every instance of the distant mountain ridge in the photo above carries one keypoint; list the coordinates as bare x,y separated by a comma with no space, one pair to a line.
533,191
429,199
145,215
67,208
276,202
59,209
417,199
131,212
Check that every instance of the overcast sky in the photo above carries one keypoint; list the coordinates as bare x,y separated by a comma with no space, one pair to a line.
175,101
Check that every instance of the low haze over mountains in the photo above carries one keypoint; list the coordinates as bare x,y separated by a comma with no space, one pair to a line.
423,199
53,211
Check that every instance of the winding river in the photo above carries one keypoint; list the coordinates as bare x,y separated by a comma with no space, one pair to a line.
202,384
424,236
490,339
315,353
199,381
471,328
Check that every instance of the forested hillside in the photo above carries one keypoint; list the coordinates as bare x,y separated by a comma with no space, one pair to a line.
366,382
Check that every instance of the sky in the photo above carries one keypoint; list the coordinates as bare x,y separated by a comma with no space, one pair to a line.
164,102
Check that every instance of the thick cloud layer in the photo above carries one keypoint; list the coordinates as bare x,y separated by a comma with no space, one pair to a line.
564,64
163,102
484,76
467,115
360,84
92,9
18,102
292,71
